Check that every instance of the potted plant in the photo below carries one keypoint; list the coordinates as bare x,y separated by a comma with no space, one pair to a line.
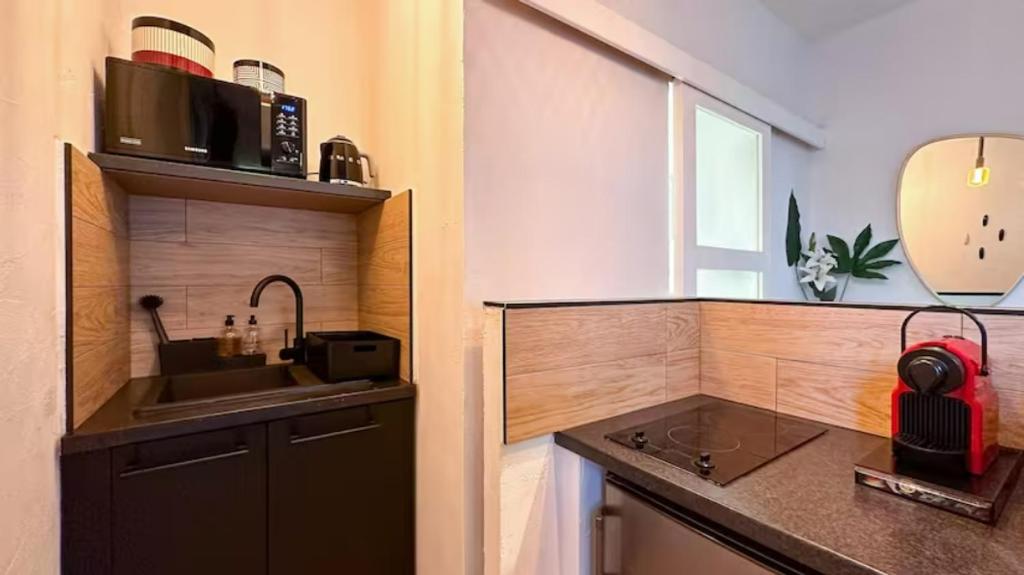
823,269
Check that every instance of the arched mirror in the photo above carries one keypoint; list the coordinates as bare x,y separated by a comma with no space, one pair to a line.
961,216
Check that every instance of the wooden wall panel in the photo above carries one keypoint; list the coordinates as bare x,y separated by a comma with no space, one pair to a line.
383,265
845,397
683,326
857,338
738,377
543,339
570,365
157,219
682,373
562,398
217,223
204,258
834,364
99,318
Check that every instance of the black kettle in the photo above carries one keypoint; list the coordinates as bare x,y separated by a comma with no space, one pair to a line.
341,163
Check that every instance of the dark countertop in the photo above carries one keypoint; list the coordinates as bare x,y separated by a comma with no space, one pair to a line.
116,422
806,506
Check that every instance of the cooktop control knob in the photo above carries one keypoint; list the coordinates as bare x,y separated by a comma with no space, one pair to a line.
639,439
703,462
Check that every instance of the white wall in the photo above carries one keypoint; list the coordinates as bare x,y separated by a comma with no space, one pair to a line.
566,197
31,351
930,69
741,38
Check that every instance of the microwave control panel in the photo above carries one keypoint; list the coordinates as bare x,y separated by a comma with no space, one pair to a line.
288,135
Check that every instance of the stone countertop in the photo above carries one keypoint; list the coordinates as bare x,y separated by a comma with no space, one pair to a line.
116,423
806,506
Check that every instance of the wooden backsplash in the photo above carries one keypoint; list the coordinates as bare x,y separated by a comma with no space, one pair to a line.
204,258
569,365
98,266
566,366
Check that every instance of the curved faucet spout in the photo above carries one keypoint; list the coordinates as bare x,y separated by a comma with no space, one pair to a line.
295,353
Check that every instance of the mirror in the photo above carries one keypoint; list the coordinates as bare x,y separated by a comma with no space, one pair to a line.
961,205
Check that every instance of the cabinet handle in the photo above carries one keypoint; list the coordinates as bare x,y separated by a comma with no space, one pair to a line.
296,439
136,471
597,532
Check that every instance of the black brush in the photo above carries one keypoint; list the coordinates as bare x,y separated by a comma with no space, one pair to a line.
151,303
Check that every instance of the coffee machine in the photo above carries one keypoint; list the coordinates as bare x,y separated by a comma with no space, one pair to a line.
944,451
945,412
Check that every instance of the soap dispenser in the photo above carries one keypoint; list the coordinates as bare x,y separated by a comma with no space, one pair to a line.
251,341
230,341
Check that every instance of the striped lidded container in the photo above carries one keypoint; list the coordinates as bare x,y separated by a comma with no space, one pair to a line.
158,40
258,74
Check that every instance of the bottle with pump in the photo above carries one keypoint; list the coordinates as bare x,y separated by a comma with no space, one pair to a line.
230,341
251,341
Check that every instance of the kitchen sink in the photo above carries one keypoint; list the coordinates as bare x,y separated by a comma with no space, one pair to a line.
207,385
222,388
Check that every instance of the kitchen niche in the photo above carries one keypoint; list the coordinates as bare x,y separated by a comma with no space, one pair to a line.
201,238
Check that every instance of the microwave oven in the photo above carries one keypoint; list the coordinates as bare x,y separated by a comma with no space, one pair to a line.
160,112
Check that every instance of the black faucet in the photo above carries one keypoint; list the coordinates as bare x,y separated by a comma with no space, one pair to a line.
296,353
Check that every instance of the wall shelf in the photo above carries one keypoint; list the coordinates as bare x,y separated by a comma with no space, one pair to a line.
147,177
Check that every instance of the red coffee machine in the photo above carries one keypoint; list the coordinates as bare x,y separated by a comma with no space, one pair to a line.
945,413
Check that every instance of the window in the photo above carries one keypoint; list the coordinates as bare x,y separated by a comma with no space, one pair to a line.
733,284
728,171
721,174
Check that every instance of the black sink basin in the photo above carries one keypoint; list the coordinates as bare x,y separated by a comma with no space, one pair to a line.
196,386
221,388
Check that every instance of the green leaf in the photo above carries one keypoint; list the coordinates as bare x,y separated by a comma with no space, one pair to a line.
879,264
879,250
812,242
793,232
868,274
844,263
861,243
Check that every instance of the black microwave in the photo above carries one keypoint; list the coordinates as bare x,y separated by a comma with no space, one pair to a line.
159,112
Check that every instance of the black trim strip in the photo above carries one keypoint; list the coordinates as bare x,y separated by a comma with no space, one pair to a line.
69,341
157,22
588,303
504,382
412,298
992,293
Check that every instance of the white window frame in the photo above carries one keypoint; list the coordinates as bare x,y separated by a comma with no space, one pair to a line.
684,195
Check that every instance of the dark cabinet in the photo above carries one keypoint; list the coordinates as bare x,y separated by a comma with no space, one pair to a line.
194,504
341,492
330,492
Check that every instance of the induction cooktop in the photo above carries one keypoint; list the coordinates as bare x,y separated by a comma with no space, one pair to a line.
719,441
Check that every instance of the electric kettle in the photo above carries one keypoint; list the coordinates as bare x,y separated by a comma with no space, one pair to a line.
341,163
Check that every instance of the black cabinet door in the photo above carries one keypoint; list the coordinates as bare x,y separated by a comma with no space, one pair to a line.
194,504
341,492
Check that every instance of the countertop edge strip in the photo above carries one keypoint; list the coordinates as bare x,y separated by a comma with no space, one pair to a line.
840,305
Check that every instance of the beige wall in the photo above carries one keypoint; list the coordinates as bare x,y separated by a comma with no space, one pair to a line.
322,46
31,377
416,108
387,74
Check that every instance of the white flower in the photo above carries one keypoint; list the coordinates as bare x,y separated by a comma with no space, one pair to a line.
817,268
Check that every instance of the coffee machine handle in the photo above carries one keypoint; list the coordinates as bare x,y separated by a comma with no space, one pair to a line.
369,168
968,313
